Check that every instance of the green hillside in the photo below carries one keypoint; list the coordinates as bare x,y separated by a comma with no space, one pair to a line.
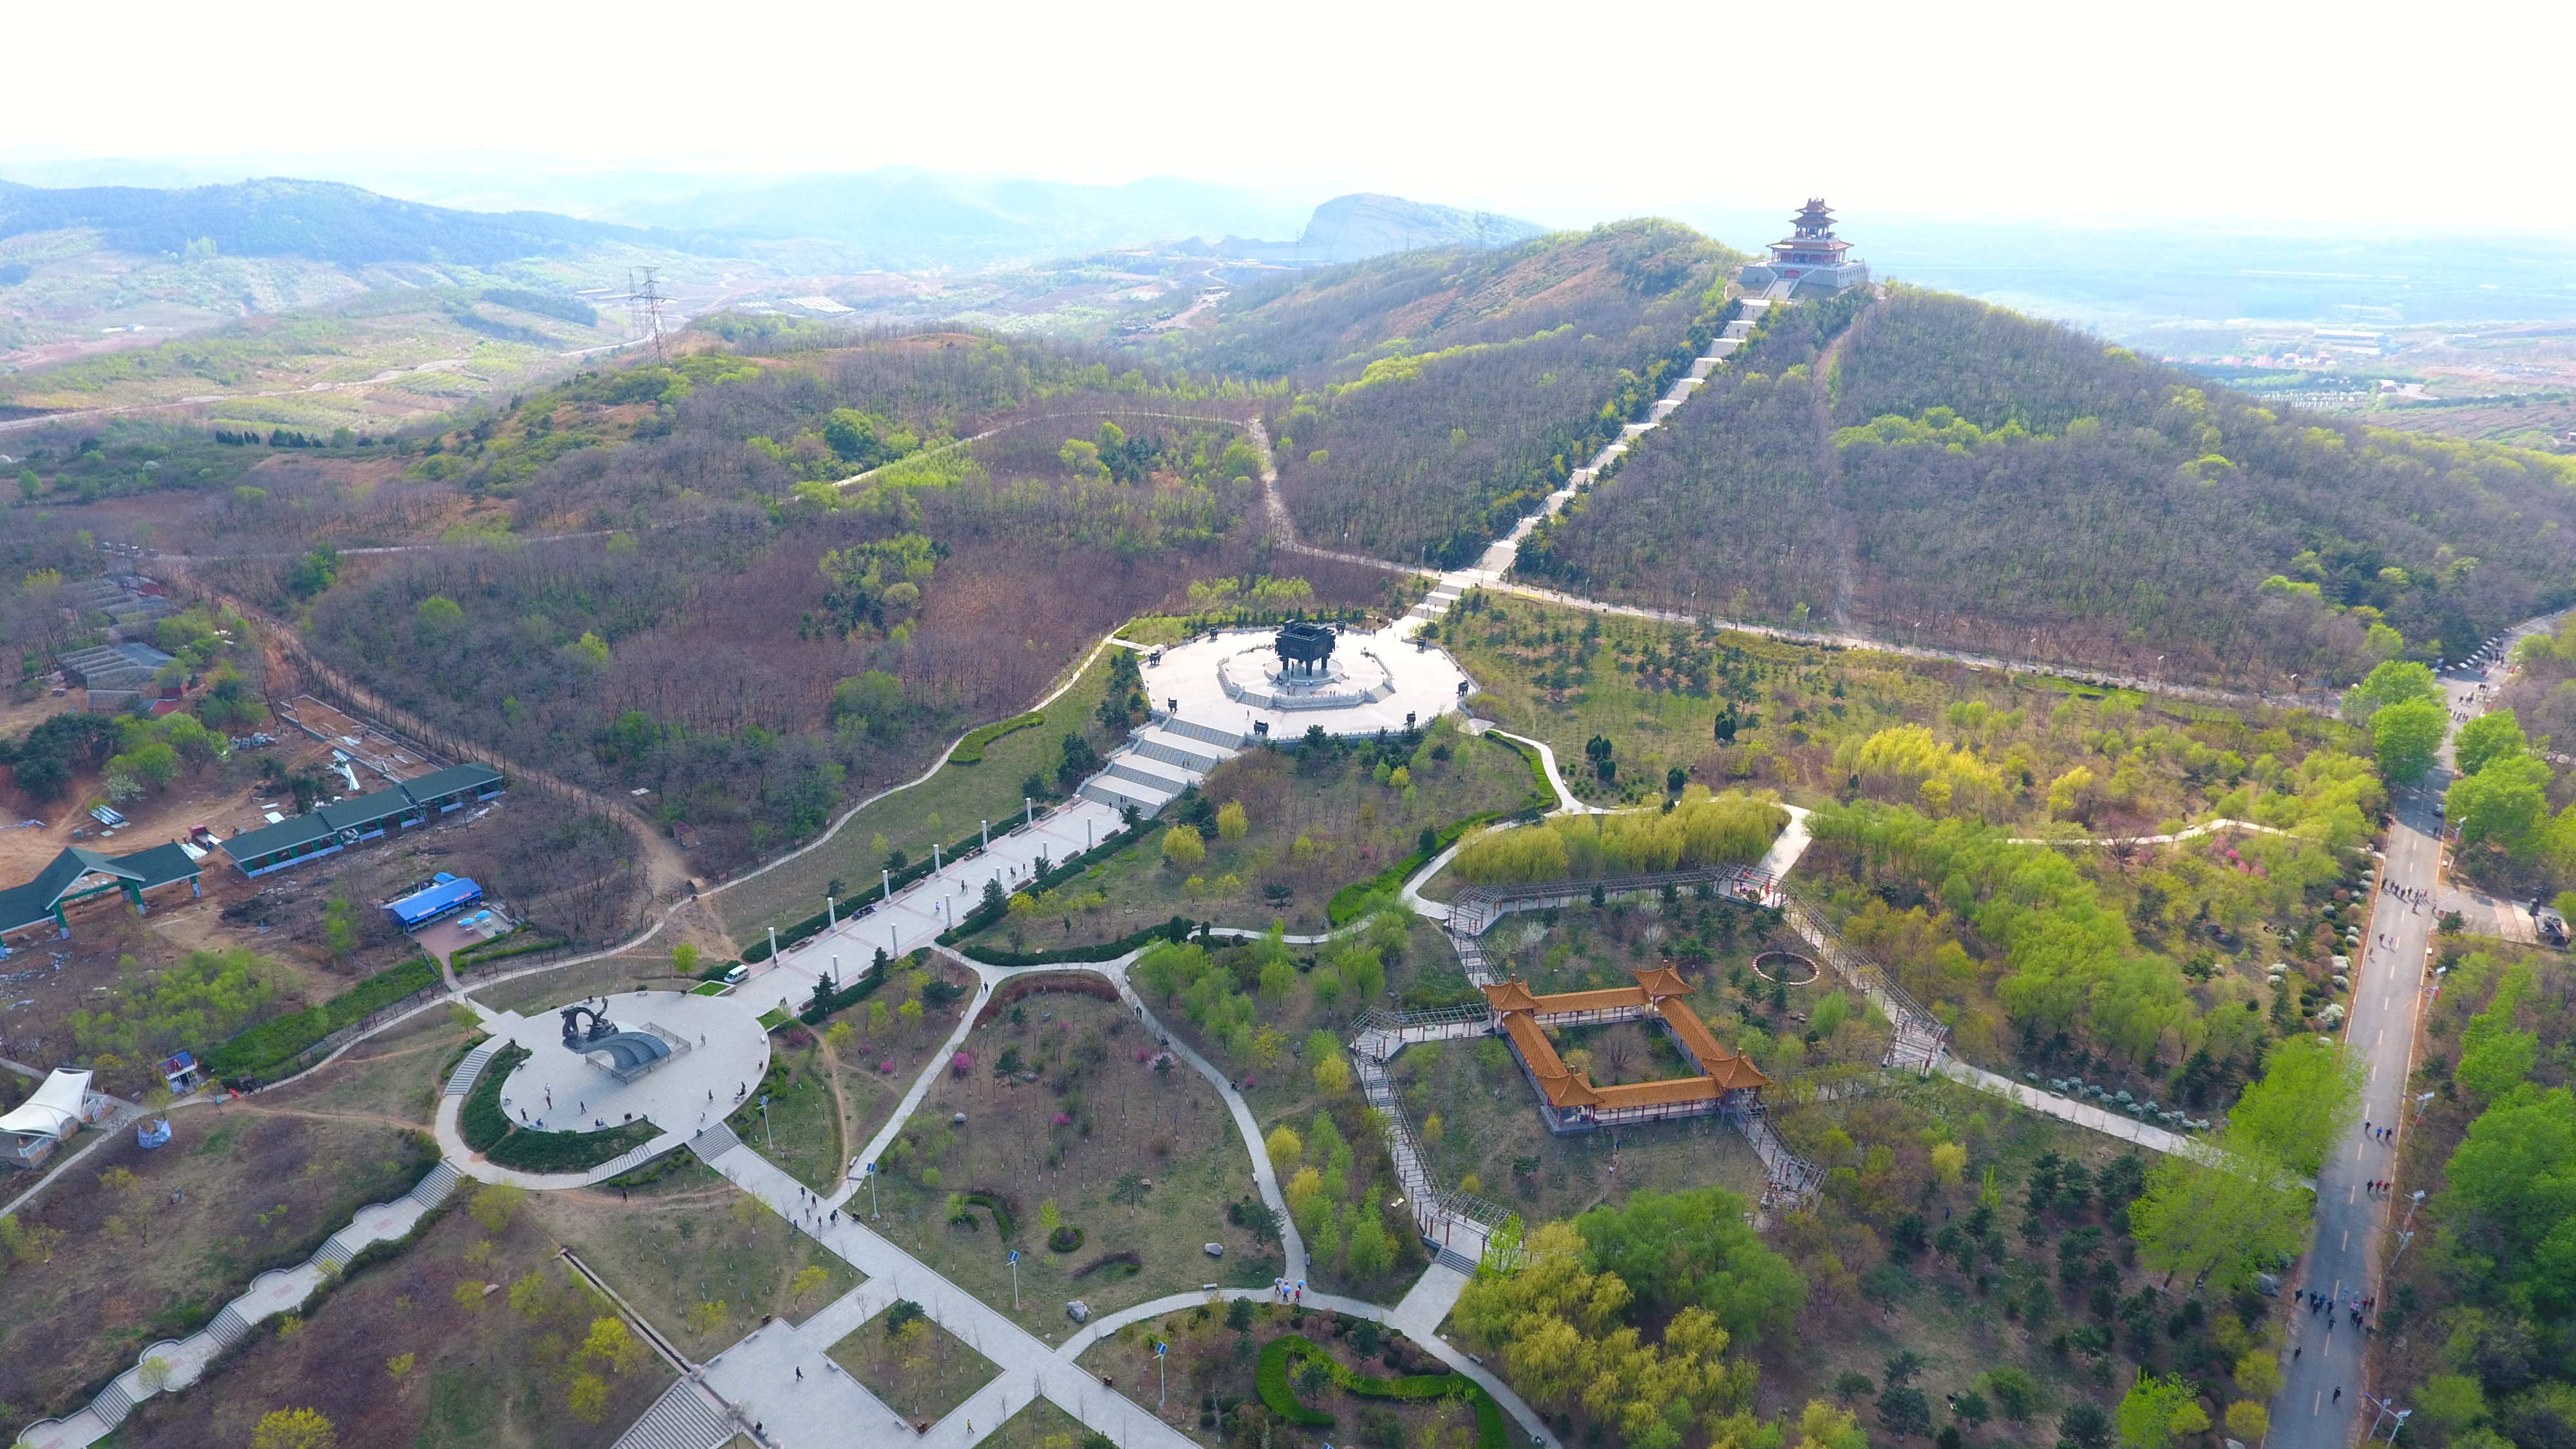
1959,474
1440,393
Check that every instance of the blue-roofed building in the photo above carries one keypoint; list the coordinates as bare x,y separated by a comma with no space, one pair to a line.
445,893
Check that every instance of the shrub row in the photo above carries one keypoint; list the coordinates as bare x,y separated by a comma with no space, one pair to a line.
970,750
279,1040
502,948
999,1206
1276,1392
1271,1378
821,921
488,1129
1177,929
1078,983
987,914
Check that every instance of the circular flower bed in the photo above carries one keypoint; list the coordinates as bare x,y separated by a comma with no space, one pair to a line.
1065,1239
1786,967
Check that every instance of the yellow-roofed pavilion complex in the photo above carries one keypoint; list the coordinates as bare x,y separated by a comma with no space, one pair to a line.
1571,1103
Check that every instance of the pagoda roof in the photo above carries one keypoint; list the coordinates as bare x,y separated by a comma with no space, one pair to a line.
1660,982
1609,998
1535,1048
1510,996
1658,1094
1732,1069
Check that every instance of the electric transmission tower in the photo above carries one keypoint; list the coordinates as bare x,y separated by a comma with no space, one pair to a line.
644,304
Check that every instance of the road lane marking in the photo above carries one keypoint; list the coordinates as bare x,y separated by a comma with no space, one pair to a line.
2346,1245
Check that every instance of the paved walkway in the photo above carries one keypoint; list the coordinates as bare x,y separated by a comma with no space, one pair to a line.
2082,1114
2388,995
280,1290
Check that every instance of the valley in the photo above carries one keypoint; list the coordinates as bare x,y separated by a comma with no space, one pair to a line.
1983,734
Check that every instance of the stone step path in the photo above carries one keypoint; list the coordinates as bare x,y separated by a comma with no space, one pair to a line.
683,1418
280,1290
471,1068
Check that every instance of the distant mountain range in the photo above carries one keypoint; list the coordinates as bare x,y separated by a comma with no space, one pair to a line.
1366,224
323,220
896,219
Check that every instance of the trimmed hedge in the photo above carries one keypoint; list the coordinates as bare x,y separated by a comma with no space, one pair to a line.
970,750
997,1205
479,1118
986,915
820,921
501,948
488,1130
1271,1378
1491,1433
280,1040
1177,929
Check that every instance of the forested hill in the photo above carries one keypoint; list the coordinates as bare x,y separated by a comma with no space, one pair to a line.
1440,393
647,576
1964,475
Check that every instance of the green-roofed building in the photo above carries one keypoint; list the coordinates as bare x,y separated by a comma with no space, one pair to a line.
77,875
453,788
335,827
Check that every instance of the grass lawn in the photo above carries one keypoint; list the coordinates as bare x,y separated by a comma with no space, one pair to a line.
874,1055
802,1127
1211,1364
701,1264
1311,827
943,808
1040,1426
1277,1081
396,1076
484,1369
1094,1115
919,1369
258,1188
642,971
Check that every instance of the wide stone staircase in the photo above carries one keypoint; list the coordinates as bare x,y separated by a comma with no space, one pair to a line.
1160,761
681,1419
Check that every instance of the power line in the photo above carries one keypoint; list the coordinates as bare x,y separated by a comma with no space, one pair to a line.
644,304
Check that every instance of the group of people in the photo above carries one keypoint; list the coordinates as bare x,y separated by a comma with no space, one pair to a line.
1289,1292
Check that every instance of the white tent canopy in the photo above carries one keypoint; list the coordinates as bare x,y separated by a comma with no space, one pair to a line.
55,1110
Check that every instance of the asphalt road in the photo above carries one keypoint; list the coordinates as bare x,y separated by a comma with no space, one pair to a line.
2353,1226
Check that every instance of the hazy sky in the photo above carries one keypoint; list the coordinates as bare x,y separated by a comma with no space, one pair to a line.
2349,115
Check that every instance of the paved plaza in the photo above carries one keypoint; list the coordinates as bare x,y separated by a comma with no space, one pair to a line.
1234,681
721,1051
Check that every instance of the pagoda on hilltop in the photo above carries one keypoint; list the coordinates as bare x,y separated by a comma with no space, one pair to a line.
1808,263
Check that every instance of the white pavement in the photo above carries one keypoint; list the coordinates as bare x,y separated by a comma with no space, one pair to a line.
1222,681
722,1051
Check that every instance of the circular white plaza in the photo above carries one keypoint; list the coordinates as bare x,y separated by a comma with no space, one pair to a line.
1240,683
679,1061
